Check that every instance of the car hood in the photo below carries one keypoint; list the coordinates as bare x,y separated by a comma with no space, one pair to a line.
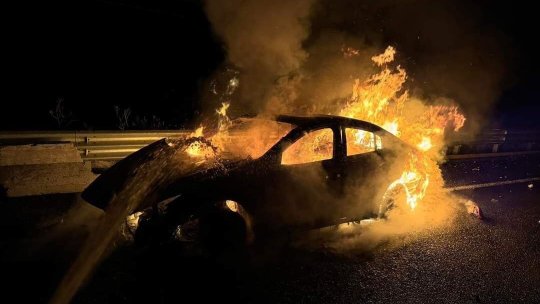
150,174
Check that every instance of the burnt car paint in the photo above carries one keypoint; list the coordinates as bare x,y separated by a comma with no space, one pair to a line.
309,195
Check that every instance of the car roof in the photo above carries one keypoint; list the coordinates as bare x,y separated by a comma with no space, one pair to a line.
326,120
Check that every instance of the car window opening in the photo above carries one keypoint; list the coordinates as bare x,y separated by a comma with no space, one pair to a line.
314,146
361,141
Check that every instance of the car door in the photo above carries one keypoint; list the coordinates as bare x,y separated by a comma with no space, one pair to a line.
363,174
303,188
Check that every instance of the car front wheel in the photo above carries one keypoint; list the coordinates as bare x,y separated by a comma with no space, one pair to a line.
395,197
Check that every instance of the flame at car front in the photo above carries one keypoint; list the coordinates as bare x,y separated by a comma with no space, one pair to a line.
381,99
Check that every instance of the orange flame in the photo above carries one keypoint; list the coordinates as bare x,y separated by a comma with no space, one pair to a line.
380,99
198,148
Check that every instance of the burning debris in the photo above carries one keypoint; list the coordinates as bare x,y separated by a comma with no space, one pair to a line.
473,209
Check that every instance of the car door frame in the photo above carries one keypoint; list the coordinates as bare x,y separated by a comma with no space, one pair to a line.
350,160
332,167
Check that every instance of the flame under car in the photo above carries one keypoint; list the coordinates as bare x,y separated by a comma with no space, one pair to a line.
325,171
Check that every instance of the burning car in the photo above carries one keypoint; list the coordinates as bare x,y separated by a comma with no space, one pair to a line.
325,171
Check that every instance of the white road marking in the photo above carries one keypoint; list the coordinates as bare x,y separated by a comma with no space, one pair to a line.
493,184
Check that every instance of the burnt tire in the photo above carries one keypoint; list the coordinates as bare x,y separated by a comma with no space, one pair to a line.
392,199
222,230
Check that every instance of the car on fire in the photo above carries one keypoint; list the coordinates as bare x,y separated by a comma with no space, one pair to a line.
325,171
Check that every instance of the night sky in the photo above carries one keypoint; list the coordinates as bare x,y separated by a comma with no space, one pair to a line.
156,56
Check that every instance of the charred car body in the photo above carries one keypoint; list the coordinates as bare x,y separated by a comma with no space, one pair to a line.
344,178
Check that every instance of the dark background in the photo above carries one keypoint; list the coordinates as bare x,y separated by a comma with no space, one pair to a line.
155,56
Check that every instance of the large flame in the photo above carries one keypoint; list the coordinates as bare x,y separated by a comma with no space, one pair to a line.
380,99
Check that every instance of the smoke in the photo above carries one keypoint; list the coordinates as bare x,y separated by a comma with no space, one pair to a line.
263,39
448,48
290,53
400,227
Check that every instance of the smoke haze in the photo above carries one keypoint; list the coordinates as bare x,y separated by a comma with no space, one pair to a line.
263,39
290,53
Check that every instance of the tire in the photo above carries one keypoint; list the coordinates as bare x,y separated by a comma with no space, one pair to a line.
392,199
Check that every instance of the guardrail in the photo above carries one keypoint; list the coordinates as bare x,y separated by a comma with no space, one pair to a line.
97,145
497,141
115,145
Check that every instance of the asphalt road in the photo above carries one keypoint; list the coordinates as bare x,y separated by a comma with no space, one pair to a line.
496,260
492,261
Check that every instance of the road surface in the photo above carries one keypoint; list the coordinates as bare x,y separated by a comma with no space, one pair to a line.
492,261
496,260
